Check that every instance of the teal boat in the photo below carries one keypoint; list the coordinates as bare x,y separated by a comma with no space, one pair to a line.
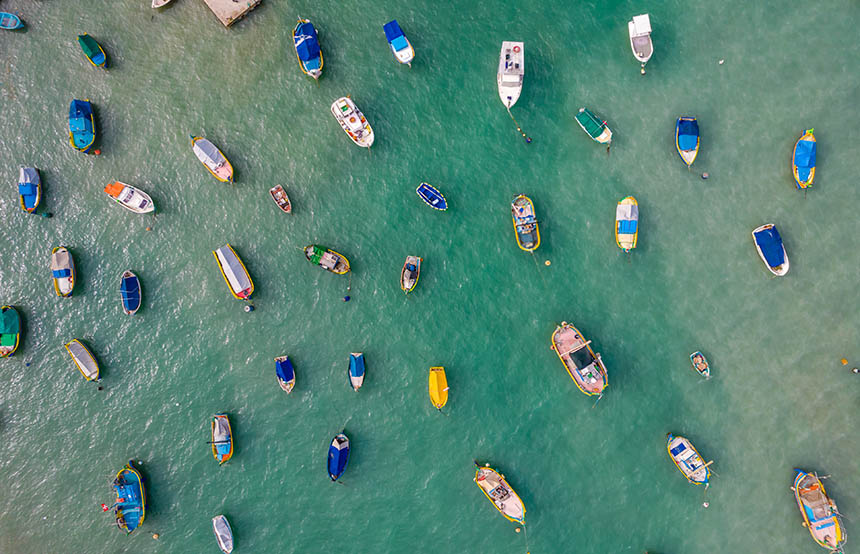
130,505
594,126
82,125
10,21
92,50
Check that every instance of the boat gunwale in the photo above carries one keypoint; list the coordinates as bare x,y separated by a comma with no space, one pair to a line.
517,226
669,438
132,469
597,359
295,48
78,365
417,276
194,139
224,275
510,489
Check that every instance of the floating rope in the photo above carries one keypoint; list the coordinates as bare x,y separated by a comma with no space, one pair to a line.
528,139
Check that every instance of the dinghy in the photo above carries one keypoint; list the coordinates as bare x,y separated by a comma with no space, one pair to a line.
582,364
82,125
803,160
432,197
214,160
160,3
687,139
338,456
438,387
511,71
356,370
279,195
223,533
129,292
687,460
306,43
594,126
327,259
63,271
130,506
400,45
10,331
639,29
627,223
84,360
352,121
10,21
820,514
700,364
92,50
500,493
770,249
222,438
526,228
285,373
29,189
130,198
234,272
410,273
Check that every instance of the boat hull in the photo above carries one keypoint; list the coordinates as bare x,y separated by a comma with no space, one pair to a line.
29,189
285,373
804,152
410,273
687,459
356,370
438,387
234,272
279,195
10,21
825,523
526,228
130,506
215,162
82,125
93,51
63,271
639,31
327,259
338,456
700,364
352,121
778,270
500,493
687,148
160,3
84,360
432,197
511,72
130,198
10,331
399,44
222,438
627,223
223,533
129,292
582,364
593,126
313,66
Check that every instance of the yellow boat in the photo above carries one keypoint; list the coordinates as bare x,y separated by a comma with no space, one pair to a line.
525,224
438,387
627,223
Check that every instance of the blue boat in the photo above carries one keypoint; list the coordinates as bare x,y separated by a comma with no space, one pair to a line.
130,506
770,249
129,291
308,48
82,125
285,373
687,139
338,456
400,45
803,160
29,189
10,21
432,197
356,370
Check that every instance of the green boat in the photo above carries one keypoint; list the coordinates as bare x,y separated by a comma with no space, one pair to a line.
594,126
10,331
92,50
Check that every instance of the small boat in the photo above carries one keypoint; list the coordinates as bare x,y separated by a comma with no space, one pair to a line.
700,364
285,373
803,160
594,126
687,139
770,249
223,533
10,21
29,189
687,460
525,224
639,29
438,387
84,360
356,370
130,198
500,493
338,456
92,50
279,195
819,511
129,292
10,331
352,121
214,160
511,71
82,125
400,45
627,223
582,364
160,3
410,273
307,46
234,272
130,506
432,197
63,271
327,259
222,438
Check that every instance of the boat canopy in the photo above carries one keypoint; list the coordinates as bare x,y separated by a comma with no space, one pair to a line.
61,261
29,192
627,216
590,123
221,435
688,134
89,46
9,324
208,153
642,25
394,34
130,291
356,365
770,243
234,271
284,370
804,154
307,45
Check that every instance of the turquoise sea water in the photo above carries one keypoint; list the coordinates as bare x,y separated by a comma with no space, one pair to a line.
594,480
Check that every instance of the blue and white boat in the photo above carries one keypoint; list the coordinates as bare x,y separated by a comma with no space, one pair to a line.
130,505
432,197
29,189
803,160
129,292
10,21
400,45
687,139
770,249
82,125
338,456
308,48
356,370
285,373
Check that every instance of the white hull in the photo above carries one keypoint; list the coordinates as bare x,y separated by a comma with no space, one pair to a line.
356,382
406,55
160,3
352,121
134,200
779,271
511,72
223,533
639,30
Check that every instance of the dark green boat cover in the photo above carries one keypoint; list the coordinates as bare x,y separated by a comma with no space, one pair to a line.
590,123
89,46
9,322
317,255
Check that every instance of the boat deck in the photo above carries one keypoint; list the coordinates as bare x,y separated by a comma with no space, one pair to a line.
231,11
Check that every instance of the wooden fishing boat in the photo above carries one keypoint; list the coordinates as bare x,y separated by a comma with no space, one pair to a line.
338,456
438,387
129,292
327,259
410,273
223,533
63,271
352,121
639,29
29,189
233,270
356,370
582,364
700,364
687,139
160,3
820,514
285,373
687,460
10,331
84,360
432,197
279,195
770,249
306,43
511,71
92,50
803,160
526,228
210,156
500,493
222,438
130,198
10,21
130,506
627,223
595,127
82,125
399,44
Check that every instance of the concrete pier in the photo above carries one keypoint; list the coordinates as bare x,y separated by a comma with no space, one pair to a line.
231,11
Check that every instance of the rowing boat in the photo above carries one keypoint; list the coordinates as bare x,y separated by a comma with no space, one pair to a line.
327,259
338,456
306,43
10,331
356,370
627,223
700,364
223,533
82,125
160,3
820,514
10,21
438,387
129,292
582,364
400,45
130,505
500,493
210,156
595,127
770,249
130,198
63,271
84,360
92,50
687,460
526,227
639,30
233,270
511,72
285,373
432,197
803,160
222,438
410,273
687,139
352,121
29,189
279,195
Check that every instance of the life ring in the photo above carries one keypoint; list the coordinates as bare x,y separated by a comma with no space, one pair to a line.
352,119
516,49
